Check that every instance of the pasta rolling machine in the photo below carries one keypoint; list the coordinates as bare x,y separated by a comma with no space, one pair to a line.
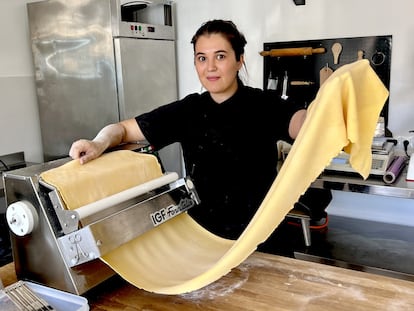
60,247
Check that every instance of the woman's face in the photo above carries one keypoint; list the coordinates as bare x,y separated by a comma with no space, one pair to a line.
216,66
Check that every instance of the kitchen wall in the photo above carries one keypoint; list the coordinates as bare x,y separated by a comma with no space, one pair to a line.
261,21
280,20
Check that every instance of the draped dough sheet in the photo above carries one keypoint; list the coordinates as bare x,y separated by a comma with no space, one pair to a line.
180,256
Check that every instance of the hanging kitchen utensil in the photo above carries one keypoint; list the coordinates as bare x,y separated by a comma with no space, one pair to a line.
336,51
301,83
293,52
378,58
285,84
272,82
360,54
324,74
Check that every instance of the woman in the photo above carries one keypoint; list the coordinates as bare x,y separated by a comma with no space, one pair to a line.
228,133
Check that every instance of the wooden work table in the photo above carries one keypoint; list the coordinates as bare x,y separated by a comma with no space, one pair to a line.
262,282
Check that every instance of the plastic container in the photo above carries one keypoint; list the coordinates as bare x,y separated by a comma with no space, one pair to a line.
59,300
410,173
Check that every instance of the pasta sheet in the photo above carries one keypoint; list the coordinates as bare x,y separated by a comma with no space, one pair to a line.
111,173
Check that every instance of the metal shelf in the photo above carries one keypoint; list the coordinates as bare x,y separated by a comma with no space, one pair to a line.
372,185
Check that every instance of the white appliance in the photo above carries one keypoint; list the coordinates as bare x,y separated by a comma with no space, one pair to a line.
100,61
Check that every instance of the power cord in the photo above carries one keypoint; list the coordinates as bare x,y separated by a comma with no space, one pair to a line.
406,143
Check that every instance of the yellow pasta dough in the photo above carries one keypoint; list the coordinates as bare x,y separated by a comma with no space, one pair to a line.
109,174
180,256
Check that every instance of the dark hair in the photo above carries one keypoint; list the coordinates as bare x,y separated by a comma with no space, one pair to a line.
226,28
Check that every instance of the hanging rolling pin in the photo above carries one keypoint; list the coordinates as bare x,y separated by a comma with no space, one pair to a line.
293,52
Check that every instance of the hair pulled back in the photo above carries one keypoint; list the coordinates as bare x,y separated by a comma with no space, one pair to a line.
227,29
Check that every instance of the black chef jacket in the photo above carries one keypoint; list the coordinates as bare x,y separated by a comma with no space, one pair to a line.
229,149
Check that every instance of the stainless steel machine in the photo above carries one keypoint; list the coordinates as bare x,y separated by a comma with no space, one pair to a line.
60,248
100,61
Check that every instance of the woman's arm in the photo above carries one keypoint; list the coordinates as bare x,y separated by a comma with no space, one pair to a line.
110,136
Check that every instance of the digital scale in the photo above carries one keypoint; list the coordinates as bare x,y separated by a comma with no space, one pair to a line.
382,157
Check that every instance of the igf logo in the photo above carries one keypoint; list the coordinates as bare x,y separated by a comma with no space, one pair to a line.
164,214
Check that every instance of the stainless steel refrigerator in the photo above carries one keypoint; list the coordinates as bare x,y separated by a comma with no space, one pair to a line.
100,61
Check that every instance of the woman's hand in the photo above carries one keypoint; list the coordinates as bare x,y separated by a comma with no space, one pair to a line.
86,150
110,136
